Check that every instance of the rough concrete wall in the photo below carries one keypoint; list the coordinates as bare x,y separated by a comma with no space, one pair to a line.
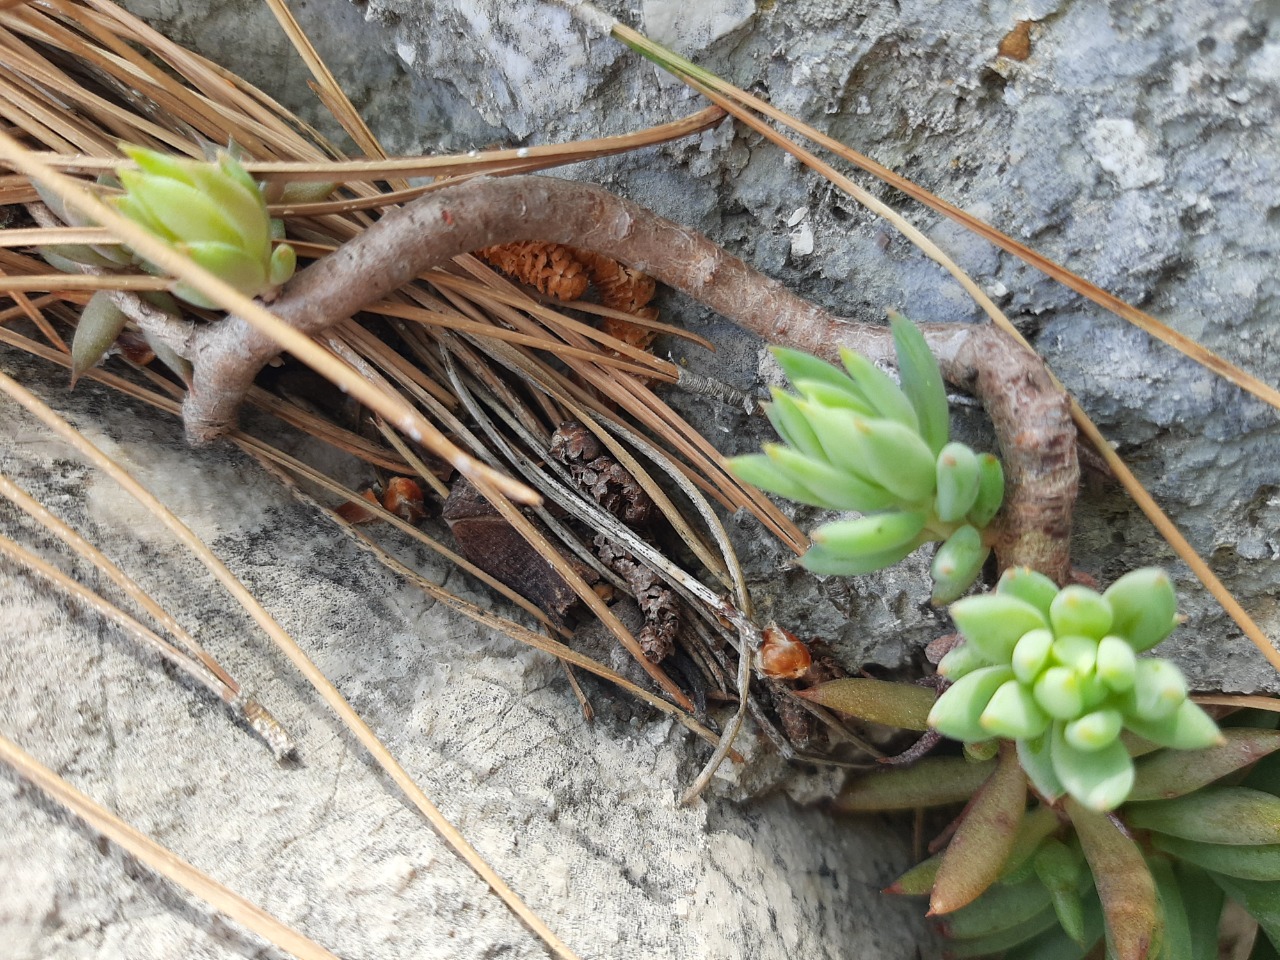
582,819
1136,144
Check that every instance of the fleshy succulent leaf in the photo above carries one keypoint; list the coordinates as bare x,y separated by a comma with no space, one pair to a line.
1125,885
990,490
1117,663
957,481
792,425
1078,610
1230,815
1060,870
1260,898
761,471
961,659
983,840
921,382
824,561
1030,586
1144,606
878,701
837,489
995,622
885,396
1039,823
798,365
874,534
1036,757
998,909
1168,773
917,881
934,781
1031,654
1202,899
1097,779
958,712
1248,862
1012,712
1187,728
957,564
100,324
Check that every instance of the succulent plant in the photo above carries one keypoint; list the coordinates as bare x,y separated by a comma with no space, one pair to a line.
857,441
1151,878
1058,672
1056,880
212,212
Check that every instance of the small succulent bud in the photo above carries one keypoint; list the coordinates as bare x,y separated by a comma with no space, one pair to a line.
1079,610
1031,654
213,213
957,482
1117,663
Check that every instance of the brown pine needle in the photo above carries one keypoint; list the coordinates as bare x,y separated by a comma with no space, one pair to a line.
38,512
37,236
326,85
53,280
109,611
521,159
161,859
35,316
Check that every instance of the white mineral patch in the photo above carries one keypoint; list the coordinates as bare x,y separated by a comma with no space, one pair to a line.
1122,152
802,240
694,26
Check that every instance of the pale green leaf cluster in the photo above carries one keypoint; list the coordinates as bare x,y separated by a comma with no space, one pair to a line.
1059,672
856,440
213,213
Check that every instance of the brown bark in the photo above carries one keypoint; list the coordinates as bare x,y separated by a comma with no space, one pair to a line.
1029,413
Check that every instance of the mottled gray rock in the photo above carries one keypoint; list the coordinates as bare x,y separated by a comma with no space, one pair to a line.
582,819
1136,144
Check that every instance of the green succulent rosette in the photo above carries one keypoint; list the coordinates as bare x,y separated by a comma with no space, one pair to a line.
212,212
855,440
1058,671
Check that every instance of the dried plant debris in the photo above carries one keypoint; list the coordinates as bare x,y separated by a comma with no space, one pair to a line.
566,272
600,476
499,550
609,484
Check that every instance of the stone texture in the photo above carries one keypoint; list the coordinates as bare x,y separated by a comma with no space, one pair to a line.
582,819
1136,144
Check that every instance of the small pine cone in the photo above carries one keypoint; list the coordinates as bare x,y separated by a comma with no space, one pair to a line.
550,268
632,334
620,287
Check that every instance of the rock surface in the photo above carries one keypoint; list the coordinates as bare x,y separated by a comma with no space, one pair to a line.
582,819
1134,143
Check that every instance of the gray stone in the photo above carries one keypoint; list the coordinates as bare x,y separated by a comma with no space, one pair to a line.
1136,145
582,819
